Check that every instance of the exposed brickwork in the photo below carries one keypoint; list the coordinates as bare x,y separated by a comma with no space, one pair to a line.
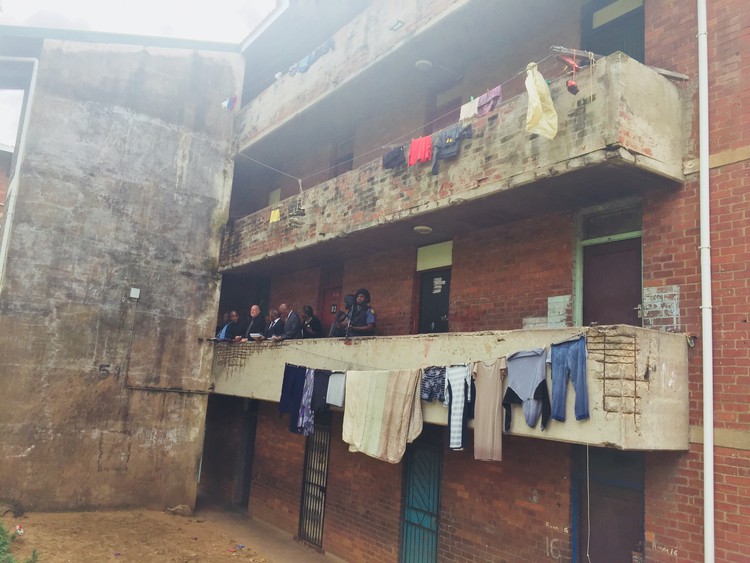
504,274
507,511
363,504
390,279
277,470
296,289
674,509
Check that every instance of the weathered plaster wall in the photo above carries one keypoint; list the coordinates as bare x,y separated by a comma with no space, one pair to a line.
125,184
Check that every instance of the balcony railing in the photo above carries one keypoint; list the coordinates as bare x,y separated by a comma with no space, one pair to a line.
623,133
637,378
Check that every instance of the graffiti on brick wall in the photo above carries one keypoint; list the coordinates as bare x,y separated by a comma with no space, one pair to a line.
661,308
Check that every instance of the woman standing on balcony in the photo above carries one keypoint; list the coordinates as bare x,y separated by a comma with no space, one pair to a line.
311,327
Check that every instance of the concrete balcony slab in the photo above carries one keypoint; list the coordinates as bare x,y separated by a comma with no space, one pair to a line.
637,378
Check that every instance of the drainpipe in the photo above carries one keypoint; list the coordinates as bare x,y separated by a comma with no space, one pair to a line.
10,201
706,306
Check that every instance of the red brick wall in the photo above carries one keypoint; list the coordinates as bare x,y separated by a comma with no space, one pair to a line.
390,278
277,470
363,504
296,289
503,274
674,486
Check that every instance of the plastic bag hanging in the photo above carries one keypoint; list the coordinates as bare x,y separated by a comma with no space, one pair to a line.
541,117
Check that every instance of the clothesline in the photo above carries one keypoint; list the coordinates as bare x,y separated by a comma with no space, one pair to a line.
394,142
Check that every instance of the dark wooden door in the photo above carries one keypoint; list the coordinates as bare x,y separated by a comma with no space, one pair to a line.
434,301
612,283
609,501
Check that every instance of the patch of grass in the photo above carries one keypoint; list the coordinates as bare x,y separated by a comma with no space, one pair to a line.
6,539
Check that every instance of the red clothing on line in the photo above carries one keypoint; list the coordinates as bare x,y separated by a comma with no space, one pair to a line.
420,150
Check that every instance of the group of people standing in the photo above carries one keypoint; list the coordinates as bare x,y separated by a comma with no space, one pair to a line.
356,319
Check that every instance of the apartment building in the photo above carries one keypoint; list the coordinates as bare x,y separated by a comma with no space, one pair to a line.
517,242
145,203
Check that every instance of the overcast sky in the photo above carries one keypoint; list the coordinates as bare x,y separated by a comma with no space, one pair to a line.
219,20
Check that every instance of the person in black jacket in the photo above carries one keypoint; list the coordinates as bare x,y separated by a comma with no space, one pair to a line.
292,324
255,324
275,325
311,327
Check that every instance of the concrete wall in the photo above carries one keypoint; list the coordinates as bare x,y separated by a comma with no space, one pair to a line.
637,378
125,185
499,159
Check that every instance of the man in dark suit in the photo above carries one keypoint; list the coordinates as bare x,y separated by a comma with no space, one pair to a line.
275,325
292,324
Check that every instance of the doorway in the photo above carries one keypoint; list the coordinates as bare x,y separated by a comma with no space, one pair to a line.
420,520
434,301
612,283
609,278
608,505
314,482
331,303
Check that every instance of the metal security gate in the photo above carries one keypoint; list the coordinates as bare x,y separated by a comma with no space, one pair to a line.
314,479
421,516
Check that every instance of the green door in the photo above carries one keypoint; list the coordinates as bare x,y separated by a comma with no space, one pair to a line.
421,514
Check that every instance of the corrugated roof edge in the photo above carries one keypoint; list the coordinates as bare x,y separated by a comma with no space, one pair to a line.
115,38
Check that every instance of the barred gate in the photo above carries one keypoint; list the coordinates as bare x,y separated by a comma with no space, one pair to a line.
314,480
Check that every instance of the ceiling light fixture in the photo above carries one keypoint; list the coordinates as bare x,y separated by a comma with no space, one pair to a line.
422,229
423,65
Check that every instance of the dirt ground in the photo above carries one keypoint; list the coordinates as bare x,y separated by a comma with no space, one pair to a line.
143,536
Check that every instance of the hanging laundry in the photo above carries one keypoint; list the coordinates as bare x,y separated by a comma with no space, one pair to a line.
458,393
303,65
420,150
541,117
568,360
336,389
383,412
292,388
306,417
320,390
229,103
394,158
433,384
489,100
329,45
468,110
447,143
488,412
527,386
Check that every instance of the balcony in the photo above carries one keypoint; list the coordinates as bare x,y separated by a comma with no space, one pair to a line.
637,378
622,135
367,40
